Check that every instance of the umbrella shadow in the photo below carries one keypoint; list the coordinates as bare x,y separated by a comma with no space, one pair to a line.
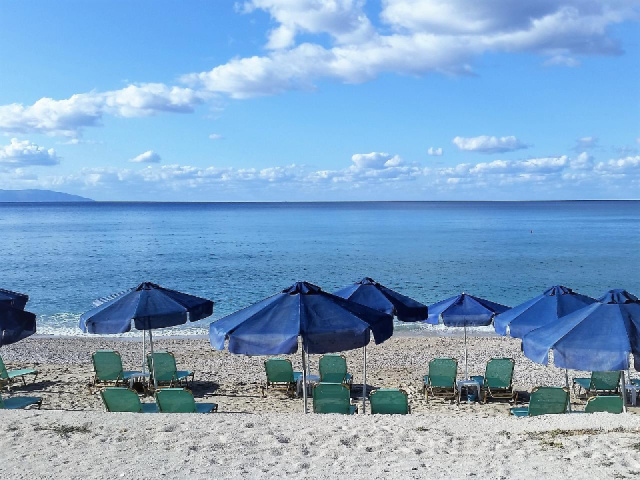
356,390
36,386
201,388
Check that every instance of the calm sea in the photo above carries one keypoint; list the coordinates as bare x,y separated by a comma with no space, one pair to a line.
66,255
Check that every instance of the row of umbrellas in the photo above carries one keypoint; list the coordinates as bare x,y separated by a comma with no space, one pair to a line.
584,333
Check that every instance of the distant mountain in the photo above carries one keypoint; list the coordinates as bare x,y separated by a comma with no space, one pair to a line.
39,196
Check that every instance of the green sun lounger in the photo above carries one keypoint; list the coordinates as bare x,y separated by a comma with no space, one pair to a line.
9,376
166,370
544,401
15,403
332,398
333,369
441,380
497,381
180,400
600,382
280,374
120,399
389,401
107,366
604,403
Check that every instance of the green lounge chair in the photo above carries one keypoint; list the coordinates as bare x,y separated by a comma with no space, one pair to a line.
15,403
600,382
280,374
604,403
332,398
543,401
497,381
120,399
8,376
333,369
180,400
389,401
107,366
441,380
166,370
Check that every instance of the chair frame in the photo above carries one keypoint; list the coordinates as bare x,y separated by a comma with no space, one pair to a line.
8,381
500,393
442,392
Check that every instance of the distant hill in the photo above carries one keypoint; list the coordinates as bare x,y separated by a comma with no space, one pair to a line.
39,196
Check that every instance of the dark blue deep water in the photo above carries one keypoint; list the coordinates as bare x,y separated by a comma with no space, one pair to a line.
66,255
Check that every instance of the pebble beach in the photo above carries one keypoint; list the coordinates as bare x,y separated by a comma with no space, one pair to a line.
439,439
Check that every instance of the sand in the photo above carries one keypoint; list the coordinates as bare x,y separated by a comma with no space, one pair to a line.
256,436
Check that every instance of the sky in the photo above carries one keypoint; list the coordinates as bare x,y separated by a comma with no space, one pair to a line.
311,100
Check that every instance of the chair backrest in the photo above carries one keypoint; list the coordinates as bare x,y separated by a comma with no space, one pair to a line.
609,381
333,368
499,373
120,399
3,371
107,365
331,398
443,372
175,400
165,366
389,401
546,400
279,370
604,403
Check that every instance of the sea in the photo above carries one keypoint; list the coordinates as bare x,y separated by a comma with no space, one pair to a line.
65,255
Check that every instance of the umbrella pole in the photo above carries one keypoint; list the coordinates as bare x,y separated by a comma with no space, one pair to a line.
144,351
304,379
624,392
153,363
364,379
566,380
466,372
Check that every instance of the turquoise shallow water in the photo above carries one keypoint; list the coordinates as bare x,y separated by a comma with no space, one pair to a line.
66,255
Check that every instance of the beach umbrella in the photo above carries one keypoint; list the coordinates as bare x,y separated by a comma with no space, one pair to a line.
13,299
15,324
464,311
326,323
145,307
598,337
374,295
554,303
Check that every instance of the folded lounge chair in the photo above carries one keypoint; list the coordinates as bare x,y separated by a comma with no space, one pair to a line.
280,374
543,401
332,398
497,381
333,369
389,401
600,382
604,403
441,380
107,366
180,400
166,370
8,376
120,399
14,403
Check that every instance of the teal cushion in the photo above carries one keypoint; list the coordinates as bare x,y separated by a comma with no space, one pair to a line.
206,407
520,411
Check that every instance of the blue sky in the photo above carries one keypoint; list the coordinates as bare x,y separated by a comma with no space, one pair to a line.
321,100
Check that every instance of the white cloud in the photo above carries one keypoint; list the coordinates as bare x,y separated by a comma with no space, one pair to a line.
620,166
215,136
487,144
436,152
585,143
562,61
25,153
147,157
68,116
583,161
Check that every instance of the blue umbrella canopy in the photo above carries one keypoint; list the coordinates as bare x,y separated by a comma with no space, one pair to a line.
371,294
13,299
327,323
554,303
15,324
464,311
148,306
597,337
